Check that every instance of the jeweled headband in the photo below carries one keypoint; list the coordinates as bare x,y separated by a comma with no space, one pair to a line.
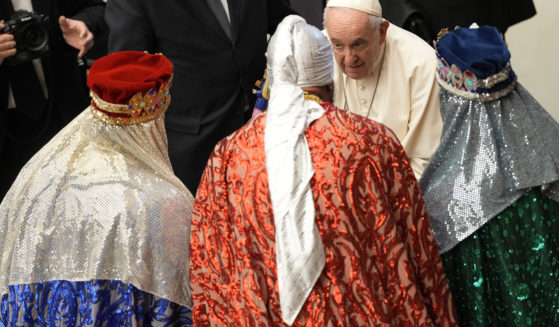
474,63
141,107
130,87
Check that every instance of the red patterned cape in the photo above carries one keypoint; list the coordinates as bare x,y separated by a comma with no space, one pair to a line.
382,263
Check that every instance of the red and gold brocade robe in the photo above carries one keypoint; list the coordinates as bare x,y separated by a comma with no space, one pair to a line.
382,263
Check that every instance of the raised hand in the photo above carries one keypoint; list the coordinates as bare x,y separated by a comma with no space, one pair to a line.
76,34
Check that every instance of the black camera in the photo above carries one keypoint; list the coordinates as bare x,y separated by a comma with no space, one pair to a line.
31,33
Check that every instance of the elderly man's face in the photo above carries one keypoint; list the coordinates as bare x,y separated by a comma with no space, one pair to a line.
356,44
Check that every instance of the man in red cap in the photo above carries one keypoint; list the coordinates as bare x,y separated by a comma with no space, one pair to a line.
95,229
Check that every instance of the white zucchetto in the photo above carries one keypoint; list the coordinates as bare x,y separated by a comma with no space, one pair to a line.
371,7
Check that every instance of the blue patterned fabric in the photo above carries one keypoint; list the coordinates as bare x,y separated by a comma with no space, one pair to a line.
92,303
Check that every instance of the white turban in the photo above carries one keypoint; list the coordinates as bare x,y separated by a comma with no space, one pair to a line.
298,55
371,7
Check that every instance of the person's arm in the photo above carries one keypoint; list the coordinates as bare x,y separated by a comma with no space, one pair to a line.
81,23
92,14
130,26
425,122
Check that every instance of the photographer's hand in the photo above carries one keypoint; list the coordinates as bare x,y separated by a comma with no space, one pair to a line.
7,44
76,34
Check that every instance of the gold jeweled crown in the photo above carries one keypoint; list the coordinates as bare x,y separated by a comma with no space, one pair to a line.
140,108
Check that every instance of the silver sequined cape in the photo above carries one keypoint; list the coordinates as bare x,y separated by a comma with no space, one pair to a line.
490,153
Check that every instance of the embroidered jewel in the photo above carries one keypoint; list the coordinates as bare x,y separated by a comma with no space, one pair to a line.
466,83
140,108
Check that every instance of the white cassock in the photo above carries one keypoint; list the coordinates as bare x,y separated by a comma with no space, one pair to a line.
406,98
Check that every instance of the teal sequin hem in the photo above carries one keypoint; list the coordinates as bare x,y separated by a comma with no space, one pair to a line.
507,272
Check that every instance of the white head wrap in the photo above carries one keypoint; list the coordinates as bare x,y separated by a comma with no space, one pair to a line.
371,7
298,55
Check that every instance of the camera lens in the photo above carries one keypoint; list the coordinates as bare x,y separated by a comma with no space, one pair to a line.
34,37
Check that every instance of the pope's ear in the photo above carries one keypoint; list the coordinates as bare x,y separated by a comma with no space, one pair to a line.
383,28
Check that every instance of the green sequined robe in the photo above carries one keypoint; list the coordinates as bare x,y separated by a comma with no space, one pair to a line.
507,272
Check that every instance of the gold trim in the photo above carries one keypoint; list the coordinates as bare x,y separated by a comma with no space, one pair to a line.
313,97
442,32
125,121
109,107
140,108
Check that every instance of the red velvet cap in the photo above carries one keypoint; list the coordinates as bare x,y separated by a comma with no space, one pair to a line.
130,86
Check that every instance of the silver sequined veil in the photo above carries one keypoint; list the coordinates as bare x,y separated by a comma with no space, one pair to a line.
490,154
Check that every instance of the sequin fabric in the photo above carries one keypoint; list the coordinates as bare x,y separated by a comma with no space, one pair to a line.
382,262
506,273
99,202
90,303
490,154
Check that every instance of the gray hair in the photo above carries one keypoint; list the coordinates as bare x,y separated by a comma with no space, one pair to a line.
375,21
